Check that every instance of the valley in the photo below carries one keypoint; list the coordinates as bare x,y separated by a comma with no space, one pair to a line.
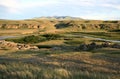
59,49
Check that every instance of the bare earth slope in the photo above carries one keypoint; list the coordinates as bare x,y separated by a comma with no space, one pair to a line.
59,24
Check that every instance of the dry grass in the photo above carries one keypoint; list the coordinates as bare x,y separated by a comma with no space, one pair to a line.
66,63
59,65
16,31
52,42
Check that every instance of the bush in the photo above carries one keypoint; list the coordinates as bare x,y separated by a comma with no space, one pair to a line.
44,46
28,39
52,36
35,39
117,30
87,21
110,21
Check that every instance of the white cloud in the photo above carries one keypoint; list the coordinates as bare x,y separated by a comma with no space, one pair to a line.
38,3
116,6
11,5
100,17
94,17
16,6
101,3
22,6
78,2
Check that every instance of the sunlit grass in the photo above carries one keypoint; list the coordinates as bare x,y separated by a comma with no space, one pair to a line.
16,31
47,64
63,63
21,70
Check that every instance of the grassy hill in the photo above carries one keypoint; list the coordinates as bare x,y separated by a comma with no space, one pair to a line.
63,51
59,24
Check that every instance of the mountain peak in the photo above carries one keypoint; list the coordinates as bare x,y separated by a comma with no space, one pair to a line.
59,18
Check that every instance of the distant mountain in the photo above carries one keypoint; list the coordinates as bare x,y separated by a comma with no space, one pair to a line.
59,18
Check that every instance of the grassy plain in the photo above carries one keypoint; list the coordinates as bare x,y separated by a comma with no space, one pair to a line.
13,32
62,63
57,57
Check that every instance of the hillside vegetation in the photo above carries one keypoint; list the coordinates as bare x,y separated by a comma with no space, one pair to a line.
60,49
49,24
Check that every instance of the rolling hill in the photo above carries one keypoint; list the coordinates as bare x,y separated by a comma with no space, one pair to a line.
54,23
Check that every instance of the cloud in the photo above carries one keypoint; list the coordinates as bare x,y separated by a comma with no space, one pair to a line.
11,5
100,8
16,6
101,3
37,3
115,6
77,2
3,10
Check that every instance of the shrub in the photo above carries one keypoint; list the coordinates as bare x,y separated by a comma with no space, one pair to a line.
87,21
110,21
44,46
28,39
52,36
117,30
33,39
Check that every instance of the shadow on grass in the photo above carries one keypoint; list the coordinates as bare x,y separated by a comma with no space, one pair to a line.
47,62
107,51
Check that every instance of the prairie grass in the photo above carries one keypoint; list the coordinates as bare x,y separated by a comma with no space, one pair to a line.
105,35
66,63
49,64
21,70
16,31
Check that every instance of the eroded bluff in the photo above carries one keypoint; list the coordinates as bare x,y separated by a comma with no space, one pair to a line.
38,24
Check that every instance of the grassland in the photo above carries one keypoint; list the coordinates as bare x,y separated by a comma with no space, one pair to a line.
104,35
57,57
59,64
62,63
15,32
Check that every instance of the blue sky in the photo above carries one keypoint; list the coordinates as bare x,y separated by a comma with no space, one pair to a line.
87,9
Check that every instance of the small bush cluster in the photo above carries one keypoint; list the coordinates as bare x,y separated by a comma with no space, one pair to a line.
110,21
117,30
35,39
51,36
44,46
28,39
93,45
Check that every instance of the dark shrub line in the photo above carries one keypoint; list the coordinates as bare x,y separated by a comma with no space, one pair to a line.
36,39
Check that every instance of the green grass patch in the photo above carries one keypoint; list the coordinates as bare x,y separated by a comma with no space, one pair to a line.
35,38
104,35
74,42
21,70
28,39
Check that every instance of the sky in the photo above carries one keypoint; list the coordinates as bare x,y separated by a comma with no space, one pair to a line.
86,9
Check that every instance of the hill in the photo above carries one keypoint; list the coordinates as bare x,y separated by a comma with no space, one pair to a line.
61,23
58,18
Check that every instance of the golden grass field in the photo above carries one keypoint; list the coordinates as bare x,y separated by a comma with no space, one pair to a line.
14,32
64,63
58,58
59,64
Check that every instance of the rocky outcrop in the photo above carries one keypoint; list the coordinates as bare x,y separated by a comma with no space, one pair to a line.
58,24
93,45
15,46
89,26
18,26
